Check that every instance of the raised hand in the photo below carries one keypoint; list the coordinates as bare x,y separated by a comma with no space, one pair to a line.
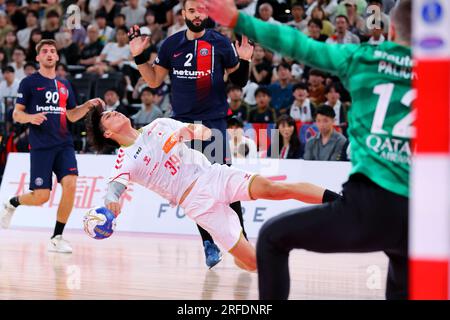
96,102
224,12
138,43
245,49
38,118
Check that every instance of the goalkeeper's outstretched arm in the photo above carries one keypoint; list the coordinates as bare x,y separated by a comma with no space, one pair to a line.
283,39
291,42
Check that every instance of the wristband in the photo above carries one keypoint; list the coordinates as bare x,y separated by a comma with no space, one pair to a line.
144,57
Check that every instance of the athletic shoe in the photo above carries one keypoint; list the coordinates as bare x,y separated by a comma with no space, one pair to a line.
6,215
212,254
58,244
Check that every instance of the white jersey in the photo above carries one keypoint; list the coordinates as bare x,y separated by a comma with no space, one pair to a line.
159,162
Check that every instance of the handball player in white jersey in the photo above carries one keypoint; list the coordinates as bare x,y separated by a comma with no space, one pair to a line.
156,158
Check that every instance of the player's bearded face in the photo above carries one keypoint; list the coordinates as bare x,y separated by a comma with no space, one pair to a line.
196,25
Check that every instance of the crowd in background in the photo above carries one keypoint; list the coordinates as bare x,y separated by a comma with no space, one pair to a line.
281,93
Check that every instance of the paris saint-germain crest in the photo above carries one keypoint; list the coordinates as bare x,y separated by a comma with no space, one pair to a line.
204,52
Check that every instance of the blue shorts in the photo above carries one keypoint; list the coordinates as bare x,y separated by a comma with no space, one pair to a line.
60,160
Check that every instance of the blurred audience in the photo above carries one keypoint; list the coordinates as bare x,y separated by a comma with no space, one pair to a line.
286,143
263,112
149,111
240,145
279,87
328,144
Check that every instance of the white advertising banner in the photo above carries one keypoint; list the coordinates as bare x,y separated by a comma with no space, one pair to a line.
145,211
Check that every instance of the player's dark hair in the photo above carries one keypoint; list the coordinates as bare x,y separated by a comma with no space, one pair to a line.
326,111
401,18
44,42
95,130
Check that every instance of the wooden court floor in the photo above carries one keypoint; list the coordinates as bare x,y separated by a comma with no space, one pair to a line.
155,266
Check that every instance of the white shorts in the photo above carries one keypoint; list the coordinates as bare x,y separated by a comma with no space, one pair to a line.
208,203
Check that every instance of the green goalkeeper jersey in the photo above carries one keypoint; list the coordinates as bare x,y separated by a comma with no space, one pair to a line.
379,81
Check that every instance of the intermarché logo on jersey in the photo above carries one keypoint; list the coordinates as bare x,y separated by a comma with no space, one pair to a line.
188,74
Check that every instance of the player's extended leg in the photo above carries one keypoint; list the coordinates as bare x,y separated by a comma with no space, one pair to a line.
217,151
366,219
244,254
212,252
41,162
236,206
34,198
263,188
397,277
223,225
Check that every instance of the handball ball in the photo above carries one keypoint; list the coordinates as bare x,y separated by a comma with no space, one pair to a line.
99,223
